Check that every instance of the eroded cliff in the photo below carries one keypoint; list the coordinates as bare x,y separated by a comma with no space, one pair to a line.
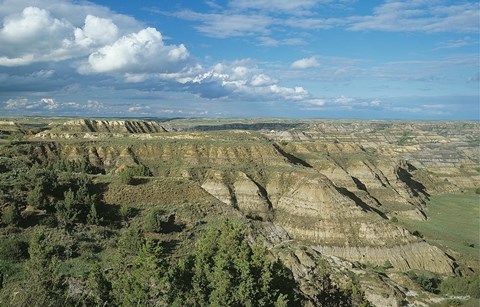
338,197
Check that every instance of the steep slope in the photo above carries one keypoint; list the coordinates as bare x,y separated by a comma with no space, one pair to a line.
383,182
88,128
258,178
310,208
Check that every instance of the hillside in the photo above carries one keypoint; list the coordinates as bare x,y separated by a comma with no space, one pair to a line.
344,192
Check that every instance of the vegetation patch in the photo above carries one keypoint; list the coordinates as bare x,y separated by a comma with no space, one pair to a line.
453,224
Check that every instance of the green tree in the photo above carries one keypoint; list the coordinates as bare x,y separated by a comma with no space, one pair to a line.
140,284
44,285
93,218
228,272
356,295
11,215
462,285
128,174
97,288
428,281
223,270
13,249
67,210
330,294
154,220
37,197
387,265
126,212
131,240
126,177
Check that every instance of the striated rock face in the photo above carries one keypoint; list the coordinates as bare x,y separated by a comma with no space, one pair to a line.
70,129
310,208
251,198
215,185
11,128
164,156
239,191
111,126
332,195
385,183
416,255
445,150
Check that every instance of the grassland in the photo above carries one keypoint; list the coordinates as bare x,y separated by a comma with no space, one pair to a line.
454,225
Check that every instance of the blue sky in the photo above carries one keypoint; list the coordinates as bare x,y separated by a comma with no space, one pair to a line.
412,59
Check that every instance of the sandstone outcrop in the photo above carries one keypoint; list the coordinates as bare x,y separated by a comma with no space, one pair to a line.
416,255
111,126
94,129
336,194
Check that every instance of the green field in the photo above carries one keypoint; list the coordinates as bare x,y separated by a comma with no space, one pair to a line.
453,224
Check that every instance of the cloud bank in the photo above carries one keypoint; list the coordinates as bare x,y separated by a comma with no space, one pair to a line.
106,44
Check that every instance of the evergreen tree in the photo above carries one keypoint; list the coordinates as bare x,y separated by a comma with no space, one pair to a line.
227,272
11,215
126,177
93,218
44,285
97,288
67,210
140,284
131,240
37,197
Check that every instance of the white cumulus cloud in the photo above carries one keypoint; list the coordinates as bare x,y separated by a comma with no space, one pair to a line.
51,105
316,102
34,35
136,108
344,100
262,80
237,80
97,31
305,63
143,51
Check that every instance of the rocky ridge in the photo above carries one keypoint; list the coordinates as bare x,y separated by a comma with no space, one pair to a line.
90,128
281,188
315,190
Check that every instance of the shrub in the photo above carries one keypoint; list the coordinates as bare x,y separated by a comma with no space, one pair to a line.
48,220
387,264
67,210
126,177
394,219
11,215
126,212
45,285
13,250
154,220
37,198
139,170
131,240
89,248
97,288
93,218
428,281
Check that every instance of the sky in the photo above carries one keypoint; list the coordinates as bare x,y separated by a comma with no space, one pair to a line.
391,59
